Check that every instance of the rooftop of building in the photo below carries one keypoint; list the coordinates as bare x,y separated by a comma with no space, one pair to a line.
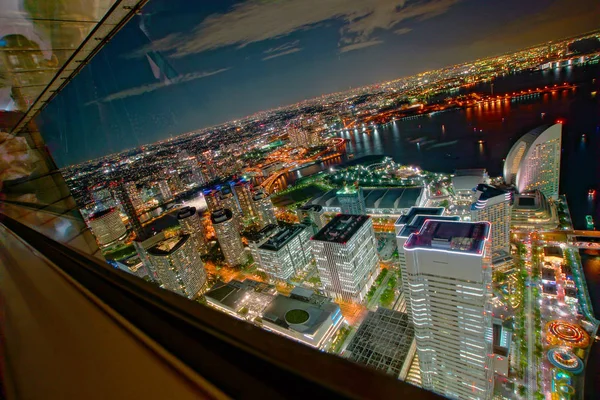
186,212
259,196
487,192
341,228
406,218
314,309
230,294
311,207
391,198
348,190
419,220
221,215
283,237
463,237
101,213
382,341
265,232
168,246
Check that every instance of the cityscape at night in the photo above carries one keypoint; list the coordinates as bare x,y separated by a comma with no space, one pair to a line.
436,229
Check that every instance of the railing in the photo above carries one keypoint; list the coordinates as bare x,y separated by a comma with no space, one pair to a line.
214,354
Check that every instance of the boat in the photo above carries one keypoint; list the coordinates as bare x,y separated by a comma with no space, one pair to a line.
589,221
592,192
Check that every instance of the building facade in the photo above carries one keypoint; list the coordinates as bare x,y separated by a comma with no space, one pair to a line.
263,208
178,266
165,191
494,205
449,271
533,162
227,200
228,236
123,194
346,256
191,224
243,192
286,253
312,215
107,226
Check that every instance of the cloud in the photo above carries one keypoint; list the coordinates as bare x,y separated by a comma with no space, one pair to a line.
283,47
257,20
283,53
151,87
402,31
359,45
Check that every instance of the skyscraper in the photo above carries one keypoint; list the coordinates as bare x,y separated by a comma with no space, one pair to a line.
312,215
287,252
134,195
123,196
352,200
346,256
107,226
449,274
244,195
178,266
264,209
211,197
533,162
191,224
405,226
228,237
303,136
227,200
493,205
165,190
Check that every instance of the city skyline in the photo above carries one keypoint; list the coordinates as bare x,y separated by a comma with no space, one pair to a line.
150,84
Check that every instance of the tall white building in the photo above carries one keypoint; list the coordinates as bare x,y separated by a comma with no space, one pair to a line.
178,266
449,272
107,226
494,205
227,200
228,236
346,255
286,253
191,224
165,190
405,226
263,208
533,162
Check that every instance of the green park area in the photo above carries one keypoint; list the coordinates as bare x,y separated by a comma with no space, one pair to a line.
299,194
120,253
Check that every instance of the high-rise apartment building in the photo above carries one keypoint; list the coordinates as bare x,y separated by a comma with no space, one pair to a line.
228,236
178,266
352,200
312,215
243,192
123,193
165,190
533,162
494,205
211,197
227,200
346,256
303,137
263,207
107,226
191,224
405,226
286,253
134,195
449,274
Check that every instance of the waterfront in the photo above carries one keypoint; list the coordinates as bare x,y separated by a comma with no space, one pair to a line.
590,260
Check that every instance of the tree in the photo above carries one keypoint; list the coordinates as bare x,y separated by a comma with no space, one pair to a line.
521,390
445,203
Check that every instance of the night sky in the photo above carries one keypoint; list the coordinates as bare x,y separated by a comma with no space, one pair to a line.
222,60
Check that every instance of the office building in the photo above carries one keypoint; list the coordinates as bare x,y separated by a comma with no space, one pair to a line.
384,341
494,205
191,224
533,211
123,193
257,239
346,256
165,191
135,197
405,226
464,181
107,226
449,272
178,266
352,200
263,208
228,237
286,253
312,215
245,299
142,246
243,192
533,162
303,137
